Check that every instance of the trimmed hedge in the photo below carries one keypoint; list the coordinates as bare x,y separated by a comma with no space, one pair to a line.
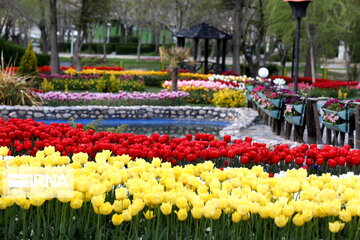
12,54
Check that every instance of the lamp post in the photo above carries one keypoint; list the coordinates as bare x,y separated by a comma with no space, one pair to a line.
298,8
108,33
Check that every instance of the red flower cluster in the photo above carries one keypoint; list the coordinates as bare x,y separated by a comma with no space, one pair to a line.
335,84
320,82
28,136
229,72
47,69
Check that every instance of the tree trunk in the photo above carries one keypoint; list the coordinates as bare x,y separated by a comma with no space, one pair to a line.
55,64
174,79
237,36
311,56
77,49
213,49
43,37
105,41
8,27
138,52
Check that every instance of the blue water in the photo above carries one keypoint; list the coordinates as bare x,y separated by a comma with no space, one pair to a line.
175,128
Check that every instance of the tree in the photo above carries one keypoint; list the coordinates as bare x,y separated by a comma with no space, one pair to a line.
55,63
174,56
28,62
91,11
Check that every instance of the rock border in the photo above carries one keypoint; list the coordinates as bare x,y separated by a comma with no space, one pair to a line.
240,117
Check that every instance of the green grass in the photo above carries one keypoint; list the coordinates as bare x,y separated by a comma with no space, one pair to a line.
128,64
153,89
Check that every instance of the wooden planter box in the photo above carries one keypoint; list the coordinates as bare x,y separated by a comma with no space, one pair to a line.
345,115
344,127
273,113
295,120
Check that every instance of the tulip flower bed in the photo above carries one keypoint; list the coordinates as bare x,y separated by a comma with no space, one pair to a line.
29,136
116,198
163,98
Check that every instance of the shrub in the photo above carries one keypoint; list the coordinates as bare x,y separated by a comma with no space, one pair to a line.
200,96
13,52
229,98
157,81
28,62
131,85
14,89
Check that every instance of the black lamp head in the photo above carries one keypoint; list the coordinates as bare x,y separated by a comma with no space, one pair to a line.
298,7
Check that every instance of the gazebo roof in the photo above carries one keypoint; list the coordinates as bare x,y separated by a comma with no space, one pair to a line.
203,31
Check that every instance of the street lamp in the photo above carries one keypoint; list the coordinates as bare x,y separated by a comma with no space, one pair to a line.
298,8
108,33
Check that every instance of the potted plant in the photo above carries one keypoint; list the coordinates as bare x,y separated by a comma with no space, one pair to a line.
297,103
343,110
293,116
270,109
334,122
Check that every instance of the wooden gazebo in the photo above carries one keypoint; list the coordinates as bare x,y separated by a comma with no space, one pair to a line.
205,31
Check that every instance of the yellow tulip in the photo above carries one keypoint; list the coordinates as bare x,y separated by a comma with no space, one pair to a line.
281,221
149,215
76,203
127,216
4,151
181,202
345,216
181,214
105,208
117,219
166,208
336,226
298,220
235,217
120,193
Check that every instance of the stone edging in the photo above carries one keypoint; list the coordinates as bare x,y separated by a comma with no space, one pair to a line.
240,117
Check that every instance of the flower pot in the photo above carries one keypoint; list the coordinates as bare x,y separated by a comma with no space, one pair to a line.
277,102
345,115
295,120
260,94
300,108
273,113
344,127
249,87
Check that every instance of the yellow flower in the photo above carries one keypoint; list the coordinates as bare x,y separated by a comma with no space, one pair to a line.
335,227
76,203
97,201
166,208
197,212
120,193
181,214
181,202
4,151
127,216
149,215
106,208
37,202
281,221
345,216
235,217
298,220
117,219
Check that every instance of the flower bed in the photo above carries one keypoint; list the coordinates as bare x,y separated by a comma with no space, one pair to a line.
28,136
116,197
164,98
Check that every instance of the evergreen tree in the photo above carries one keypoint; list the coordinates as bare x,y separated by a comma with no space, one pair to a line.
28,62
